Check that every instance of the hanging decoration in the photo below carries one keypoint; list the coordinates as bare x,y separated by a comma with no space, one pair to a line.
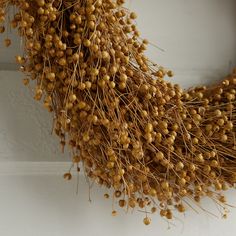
158,147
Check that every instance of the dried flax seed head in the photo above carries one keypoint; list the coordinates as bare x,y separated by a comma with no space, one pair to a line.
147,139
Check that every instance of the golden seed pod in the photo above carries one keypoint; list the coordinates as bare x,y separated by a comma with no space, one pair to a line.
170,73
2,29
25,81
179,166
40,3
133,15
76,159
72,98
2,18
181,208
67,176
147,221
114,213
7,42
218,113
122,203
87,43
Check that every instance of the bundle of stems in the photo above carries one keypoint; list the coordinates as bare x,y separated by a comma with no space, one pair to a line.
155,145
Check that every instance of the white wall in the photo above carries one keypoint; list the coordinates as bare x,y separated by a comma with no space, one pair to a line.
25,126
46,205
199,39
198,36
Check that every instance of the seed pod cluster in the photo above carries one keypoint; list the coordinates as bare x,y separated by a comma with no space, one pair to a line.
154,144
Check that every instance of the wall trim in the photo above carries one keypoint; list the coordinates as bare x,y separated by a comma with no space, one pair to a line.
34,168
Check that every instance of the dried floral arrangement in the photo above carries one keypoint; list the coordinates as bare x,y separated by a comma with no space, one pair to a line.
158,147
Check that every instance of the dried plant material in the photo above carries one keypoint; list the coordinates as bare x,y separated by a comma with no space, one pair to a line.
154,144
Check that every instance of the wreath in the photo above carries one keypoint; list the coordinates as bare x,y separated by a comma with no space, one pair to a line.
156,146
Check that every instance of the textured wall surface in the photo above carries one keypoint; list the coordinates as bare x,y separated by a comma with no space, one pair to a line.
199,42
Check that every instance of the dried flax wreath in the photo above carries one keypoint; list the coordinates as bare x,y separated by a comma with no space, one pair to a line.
156,146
